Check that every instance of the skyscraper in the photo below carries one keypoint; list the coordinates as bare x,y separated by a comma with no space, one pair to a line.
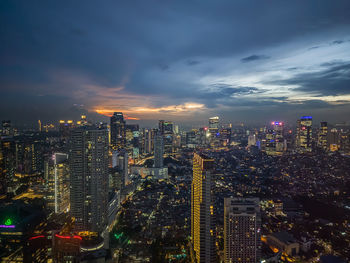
166,129
118,131
242,222
202,210
88,159
158,151
275,143
323,136
7,128
123,167
39,126
57,182
304,134
214,131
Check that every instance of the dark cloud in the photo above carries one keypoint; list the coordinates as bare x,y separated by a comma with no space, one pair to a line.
332,81
254,58
337,42
314,47
152,49
192,62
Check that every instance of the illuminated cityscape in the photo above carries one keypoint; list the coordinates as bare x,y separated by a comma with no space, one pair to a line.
175,131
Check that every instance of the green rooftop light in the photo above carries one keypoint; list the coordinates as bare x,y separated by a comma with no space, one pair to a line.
8,222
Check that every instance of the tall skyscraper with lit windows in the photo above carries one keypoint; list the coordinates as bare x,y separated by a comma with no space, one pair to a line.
88,161
57,183
242,223
275,143
304,134
166,129
118,131
158,151
214,131
202,210
323,136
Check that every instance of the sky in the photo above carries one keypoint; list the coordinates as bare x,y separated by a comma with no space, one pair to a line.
244,61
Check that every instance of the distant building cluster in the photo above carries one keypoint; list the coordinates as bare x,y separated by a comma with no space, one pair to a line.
65,187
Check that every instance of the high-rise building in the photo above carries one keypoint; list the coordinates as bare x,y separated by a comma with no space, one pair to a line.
118,131
39,126
275,143
242,222
304,134
251,140
323,136
214,131
88,159
158,151
147,144
7,128
334,140
57,182
192,138
166,129
61,182
225,136
202,210
123,167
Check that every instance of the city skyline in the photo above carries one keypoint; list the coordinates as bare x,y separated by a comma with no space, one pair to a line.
175,131
178,61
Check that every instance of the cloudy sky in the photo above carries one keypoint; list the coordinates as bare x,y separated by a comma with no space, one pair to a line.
252,61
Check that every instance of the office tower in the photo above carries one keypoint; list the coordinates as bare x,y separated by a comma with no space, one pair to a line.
225,136
251,140
158,151
242,222
214,131
88,160
83,120
192,138
7,162
323,136
166,129
57,183
334,140
147,143
304,134
214,123
65,128
39,126
29,152
202,210
123,167
275,143
7,128
204,136
118,131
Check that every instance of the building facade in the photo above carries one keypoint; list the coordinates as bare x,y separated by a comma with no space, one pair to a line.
88,160
304,134
242,223
118,131
202,210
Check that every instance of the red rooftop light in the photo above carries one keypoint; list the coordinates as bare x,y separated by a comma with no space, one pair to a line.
36,237
69,237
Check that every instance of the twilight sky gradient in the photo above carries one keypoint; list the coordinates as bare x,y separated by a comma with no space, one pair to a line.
178,60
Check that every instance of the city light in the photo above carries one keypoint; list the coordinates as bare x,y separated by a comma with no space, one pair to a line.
8,224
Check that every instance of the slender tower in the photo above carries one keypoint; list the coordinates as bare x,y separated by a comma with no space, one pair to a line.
88,159
202,210
118,131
